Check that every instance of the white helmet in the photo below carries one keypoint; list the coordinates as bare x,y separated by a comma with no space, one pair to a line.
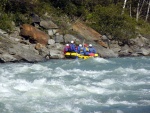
90,45
72,41
80,45
67,44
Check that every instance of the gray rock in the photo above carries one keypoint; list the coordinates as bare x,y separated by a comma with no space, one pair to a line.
68,38
44,52
115,47
27,53
105,52
125,51
143,51
59,39
51,41
48,24
3,33
56,54
52,32
139,41
35,18
15,32
6,57
57,46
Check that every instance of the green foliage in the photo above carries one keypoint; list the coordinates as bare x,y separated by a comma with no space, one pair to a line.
3,4
102,15
71,9
5,22
19,18
108,20
143,27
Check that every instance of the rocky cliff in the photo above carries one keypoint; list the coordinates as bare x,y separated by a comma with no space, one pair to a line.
17,47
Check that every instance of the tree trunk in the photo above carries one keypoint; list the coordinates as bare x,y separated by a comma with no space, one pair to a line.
130,10
124,5
139,10
147,11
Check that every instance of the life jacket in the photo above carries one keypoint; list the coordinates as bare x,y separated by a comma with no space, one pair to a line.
87,49
72,48
92,50
66,49
81,50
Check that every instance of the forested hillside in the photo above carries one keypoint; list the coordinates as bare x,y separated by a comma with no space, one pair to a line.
122,19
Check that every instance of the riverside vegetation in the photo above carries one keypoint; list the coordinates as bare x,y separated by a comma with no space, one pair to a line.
121,27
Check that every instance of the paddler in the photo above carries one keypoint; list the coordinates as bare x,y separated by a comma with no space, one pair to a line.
91,49
81,49
72,47
66,49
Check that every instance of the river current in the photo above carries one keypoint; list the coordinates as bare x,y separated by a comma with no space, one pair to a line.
115,85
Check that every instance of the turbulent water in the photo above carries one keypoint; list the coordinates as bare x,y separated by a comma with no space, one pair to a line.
117,85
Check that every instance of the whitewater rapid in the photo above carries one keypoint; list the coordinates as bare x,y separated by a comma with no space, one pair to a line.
116,85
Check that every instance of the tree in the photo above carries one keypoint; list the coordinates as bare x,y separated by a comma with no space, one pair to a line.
124,5
147,11
139,9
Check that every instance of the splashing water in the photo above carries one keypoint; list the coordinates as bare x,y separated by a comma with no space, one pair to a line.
116,85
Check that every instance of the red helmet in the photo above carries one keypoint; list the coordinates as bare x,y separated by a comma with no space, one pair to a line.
85,45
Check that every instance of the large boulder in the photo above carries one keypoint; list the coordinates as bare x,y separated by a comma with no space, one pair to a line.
13,51
35,34
88,33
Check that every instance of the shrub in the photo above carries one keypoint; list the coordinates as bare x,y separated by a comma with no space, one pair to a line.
109,20
5,22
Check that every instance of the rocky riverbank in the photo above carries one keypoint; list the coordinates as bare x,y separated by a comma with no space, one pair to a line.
44,41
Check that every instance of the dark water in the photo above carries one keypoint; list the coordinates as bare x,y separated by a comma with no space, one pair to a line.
117,85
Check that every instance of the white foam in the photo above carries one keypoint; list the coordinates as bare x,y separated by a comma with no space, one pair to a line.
70,108
136,83
101,60
107,82
88,73
3,88
132,71
59,72
91,89
22,85
114,102
97,112
86,101
31,68
50,90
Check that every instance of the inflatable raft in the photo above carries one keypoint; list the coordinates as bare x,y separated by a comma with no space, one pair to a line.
73,55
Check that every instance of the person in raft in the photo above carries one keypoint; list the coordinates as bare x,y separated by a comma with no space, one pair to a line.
66,49
92,50
81,49
72,47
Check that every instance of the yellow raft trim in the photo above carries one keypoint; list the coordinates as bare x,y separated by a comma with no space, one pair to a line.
67,54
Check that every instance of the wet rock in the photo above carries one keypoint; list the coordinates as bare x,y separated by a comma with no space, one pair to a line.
6,57
56,54
143,51
125,51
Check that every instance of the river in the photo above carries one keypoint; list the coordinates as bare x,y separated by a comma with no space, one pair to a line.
115,85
